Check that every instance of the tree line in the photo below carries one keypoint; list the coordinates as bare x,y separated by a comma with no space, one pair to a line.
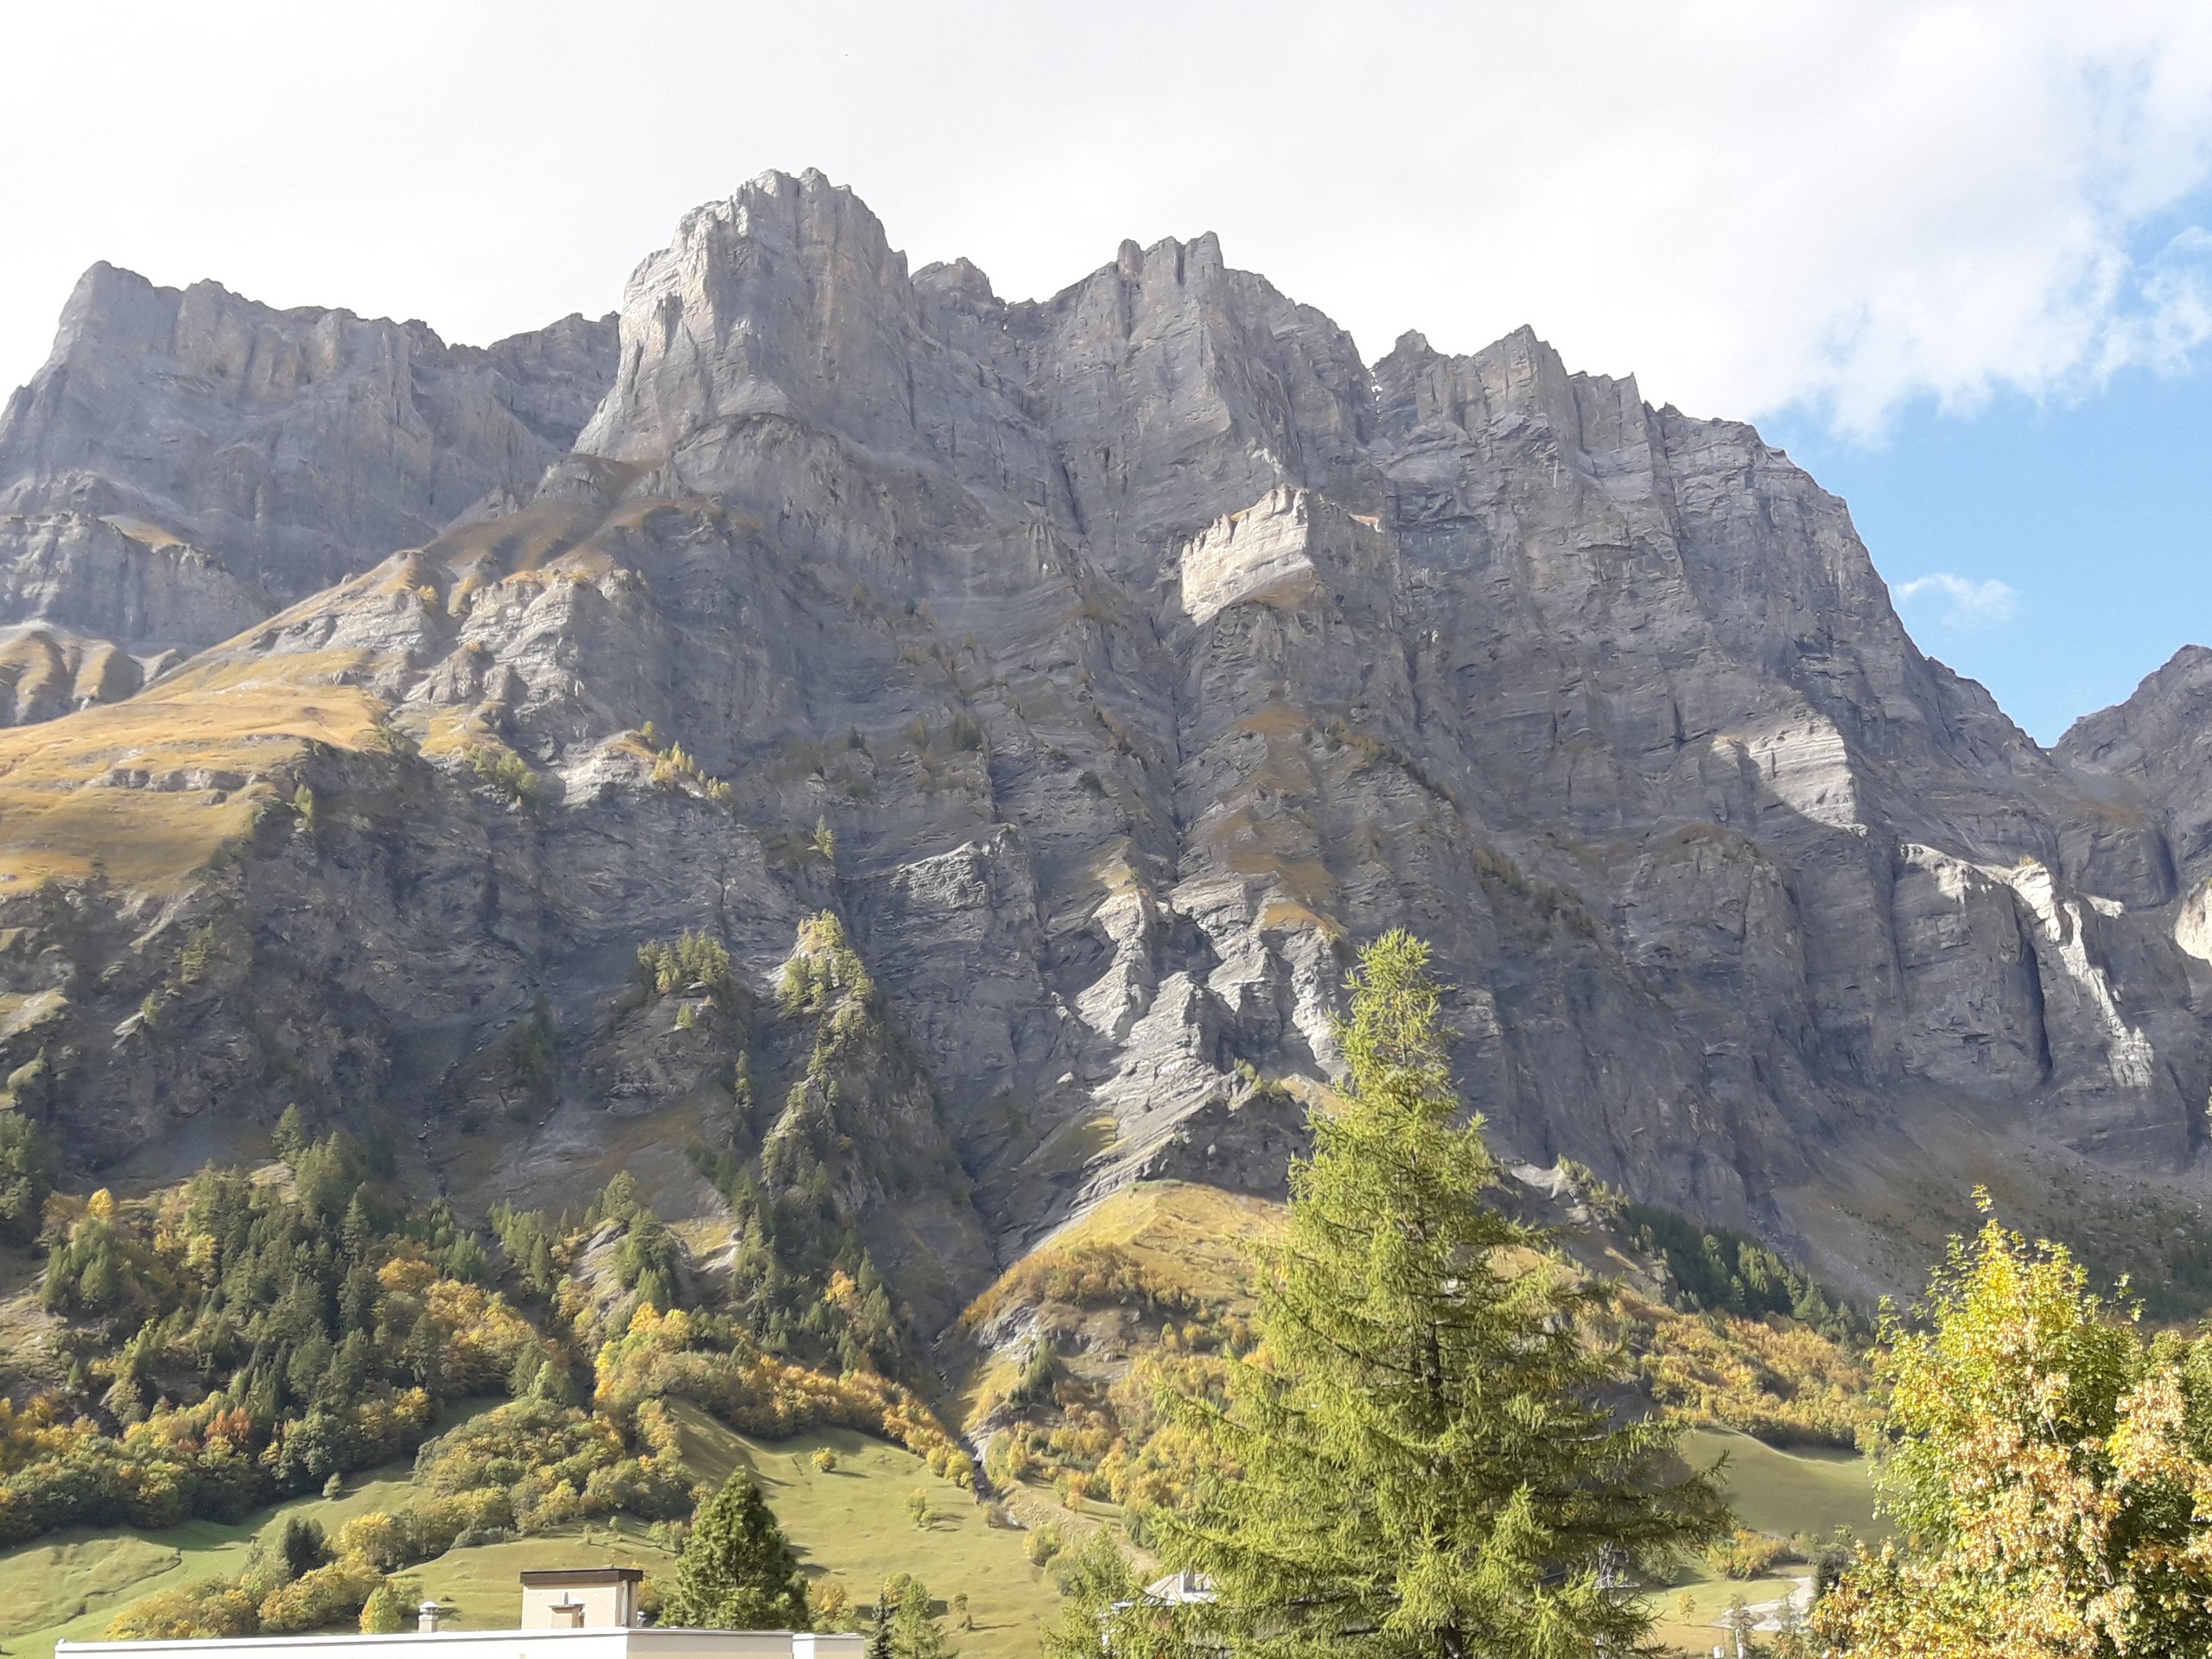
1423,1456
1423,1452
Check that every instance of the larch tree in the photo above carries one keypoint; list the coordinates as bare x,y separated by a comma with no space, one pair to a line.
1423,1457
1104,1612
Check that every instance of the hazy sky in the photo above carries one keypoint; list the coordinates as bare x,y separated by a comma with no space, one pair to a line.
1934,246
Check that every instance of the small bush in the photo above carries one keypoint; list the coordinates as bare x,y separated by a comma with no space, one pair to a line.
508,773
380,1613
830,1604
1748,1555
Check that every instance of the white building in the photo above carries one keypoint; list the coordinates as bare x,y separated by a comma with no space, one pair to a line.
583,1614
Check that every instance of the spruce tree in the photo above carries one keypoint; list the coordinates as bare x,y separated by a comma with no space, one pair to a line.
289,1138
1424,1461
737,1572
25,1173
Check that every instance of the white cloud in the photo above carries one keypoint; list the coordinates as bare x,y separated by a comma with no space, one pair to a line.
1967,603
1844,202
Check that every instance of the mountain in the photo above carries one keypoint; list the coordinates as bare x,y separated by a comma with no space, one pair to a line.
186,461
1105,669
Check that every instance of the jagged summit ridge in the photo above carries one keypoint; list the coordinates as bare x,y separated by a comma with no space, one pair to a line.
1111,662
299,445
283,449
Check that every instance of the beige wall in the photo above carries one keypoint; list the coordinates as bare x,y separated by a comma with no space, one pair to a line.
605,1605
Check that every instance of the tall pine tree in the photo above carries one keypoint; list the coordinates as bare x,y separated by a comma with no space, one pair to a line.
737,1572
1423,1459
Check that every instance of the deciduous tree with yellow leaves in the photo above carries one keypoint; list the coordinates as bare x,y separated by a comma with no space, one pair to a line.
2048,1467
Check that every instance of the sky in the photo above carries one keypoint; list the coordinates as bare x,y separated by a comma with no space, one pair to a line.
1957,257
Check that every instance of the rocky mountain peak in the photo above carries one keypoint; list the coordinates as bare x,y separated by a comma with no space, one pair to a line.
2154,753
283,450
296,445
1110,664
764,305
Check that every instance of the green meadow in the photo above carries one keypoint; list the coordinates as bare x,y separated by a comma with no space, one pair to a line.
852,1524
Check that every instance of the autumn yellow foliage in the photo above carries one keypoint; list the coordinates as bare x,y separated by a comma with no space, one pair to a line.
667,1356
1769,1376
2045,1462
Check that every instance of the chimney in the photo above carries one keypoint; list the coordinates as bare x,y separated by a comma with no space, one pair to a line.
426,1616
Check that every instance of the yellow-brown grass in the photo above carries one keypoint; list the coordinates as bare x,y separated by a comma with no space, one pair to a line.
1178,1234
254,718
1284,913
1275,720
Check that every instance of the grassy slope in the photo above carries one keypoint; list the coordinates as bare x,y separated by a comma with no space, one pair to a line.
1797,1491
72,1583
1191,1236
236,709
216,717
1774,1492
851,1523
1192,1233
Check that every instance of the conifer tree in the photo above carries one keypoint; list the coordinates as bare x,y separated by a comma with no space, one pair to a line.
1104,1613
737,1572
289,1138
25,1173
914,1631
1422,1460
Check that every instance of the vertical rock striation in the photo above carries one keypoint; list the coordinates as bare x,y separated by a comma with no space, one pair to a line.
259,454
1113,663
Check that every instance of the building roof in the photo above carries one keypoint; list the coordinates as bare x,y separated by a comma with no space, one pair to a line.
558,1578
610,1642
1180,1587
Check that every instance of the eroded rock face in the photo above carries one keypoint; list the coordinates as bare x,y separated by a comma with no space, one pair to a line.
2152,753
295,446
257,455
1115,663
93,610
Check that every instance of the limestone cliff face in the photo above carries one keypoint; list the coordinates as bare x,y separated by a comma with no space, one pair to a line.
1112,664
258,454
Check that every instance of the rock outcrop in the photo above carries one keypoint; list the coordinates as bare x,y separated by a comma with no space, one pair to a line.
259,454
1112,664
